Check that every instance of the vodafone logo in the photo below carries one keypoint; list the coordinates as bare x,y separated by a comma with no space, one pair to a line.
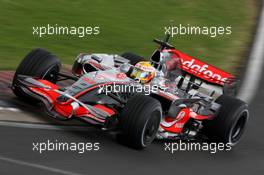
203,70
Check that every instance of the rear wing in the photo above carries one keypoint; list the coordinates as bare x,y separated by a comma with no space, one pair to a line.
203,70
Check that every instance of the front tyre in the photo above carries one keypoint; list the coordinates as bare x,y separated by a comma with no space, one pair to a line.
38,63
229,125
139,121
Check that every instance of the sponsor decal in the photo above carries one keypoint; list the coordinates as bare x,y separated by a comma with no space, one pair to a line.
88,80
99,77
204,70
179,125
145,66
121,76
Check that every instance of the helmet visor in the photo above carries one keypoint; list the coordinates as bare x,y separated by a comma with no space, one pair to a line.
138,73
144,74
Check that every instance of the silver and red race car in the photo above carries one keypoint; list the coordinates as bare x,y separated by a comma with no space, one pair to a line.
184,98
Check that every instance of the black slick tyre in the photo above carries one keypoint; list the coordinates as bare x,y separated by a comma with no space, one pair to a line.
139,121
37,63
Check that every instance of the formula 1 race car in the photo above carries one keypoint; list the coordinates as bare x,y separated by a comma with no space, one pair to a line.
171,96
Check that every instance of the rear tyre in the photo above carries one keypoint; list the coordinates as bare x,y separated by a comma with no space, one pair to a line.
229,125
133,58
37,63
139,121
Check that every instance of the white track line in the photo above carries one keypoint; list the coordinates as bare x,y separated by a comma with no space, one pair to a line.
9,109
33,165
4,106
254,67
44,126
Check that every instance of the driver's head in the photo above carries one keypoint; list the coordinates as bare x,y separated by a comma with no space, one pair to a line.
143,71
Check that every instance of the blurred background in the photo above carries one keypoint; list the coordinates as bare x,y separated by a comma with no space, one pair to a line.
127,26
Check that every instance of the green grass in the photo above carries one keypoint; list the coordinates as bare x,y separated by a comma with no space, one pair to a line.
125,26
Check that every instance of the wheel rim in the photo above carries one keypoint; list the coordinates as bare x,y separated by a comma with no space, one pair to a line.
52,74
151,128
239,127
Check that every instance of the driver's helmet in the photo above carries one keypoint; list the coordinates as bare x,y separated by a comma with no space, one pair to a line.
143,71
